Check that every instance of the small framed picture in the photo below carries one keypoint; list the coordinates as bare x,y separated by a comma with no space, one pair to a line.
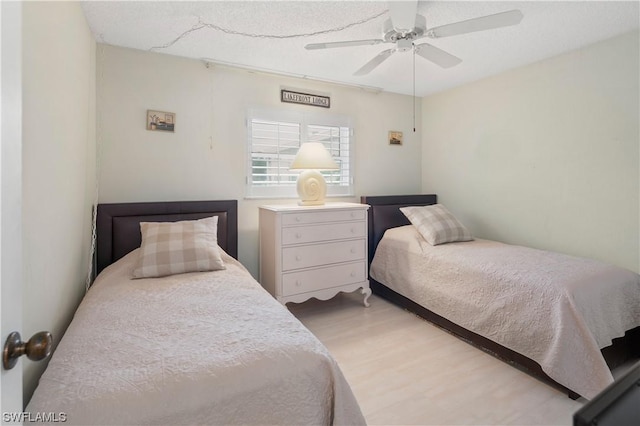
161,120
395,138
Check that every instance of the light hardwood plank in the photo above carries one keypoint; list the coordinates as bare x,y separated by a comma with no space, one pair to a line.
404,370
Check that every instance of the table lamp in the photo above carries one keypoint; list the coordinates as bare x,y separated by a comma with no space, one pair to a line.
312,157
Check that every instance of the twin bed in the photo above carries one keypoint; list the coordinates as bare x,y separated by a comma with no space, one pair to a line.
561,318
192,348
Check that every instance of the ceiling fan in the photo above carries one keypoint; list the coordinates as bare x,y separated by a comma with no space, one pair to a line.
405,26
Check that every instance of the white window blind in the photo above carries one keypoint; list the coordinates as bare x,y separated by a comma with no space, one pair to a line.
274,138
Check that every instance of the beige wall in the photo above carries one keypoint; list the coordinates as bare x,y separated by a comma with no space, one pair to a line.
546,155
58,167
206,156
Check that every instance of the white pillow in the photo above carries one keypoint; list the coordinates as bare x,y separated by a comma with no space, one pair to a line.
436,224
177,247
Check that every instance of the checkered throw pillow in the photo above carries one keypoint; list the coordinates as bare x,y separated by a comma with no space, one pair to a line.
436,224
176,247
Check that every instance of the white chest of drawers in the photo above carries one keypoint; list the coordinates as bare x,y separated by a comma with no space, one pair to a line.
315,251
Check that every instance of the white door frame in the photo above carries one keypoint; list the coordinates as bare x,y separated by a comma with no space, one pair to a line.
11,198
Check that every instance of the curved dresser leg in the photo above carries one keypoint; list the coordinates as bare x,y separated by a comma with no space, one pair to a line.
367,292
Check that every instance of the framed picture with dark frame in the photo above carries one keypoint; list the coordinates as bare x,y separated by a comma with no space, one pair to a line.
161,120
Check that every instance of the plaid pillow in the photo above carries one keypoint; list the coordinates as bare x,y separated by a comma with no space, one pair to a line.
436,224
176,247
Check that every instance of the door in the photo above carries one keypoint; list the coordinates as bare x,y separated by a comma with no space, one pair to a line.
11,196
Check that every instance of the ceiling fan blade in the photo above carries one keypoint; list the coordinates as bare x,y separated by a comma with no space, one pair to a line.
403,14
314,46
377,60
437,56
504,19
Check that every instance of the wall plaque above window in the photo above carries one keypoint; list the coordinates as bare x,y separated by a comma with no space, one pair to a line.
305,98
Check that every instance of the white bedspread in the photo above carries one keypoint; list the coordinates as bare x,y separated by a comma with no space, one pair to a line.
556,309
198,348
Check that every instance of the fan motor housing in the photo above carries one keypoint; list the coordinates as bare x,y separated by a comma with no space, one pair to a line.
390,34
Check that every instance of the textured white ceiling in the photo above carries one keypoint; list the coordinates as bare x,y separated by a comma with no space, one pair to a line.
548,29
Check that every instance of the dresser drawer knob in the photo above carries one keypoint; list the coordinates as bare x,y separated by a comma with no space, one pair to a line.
353,249
298,235
353,273
298,283
297,218
353,230
298,257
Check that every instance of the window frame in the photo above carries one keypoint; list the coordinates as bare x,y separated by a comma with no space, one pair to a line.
304,120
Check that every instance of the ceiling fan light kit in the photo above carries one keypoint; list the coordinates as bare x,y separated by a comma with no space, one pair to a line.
404,45
394,30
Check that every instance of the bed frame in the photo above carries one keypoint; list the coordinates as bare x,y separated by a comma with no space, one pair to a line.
384,213
118,225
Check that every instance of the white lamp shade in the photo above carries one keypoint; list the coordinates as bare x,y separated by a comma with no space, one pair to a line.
313,155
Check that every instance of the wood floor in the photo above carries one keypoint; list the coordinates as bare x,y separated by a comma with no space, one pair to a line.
405,371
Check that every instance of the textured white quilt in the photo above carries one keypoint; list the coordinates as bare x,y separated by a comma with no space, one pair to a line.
197,348
556,309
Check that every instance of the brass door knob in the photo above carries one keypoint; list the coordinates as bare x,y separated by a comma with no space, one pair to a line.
37,348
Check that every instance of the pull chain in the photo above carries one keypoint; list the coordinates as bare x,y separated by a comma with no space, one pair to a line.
414,89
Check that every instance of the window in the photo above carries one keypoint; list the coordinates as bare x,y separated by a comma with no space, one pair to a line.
274,137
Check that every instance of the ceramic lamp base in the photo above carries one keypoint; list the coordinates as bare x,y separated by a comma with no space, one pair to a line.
312,188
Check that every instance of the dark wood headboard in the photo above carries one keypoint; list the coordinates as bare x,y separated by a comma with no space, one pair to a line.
385,213
118,225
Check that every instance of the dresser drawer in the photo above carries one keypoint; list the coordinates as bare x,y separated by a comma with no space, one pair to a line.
322,254
327,232
289,219
321,278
